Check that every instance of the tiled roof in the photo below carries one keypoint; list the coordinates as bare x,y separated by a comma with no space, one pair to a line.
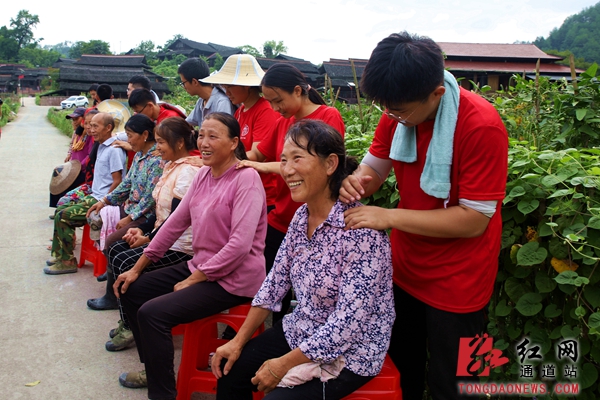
508,67
475,50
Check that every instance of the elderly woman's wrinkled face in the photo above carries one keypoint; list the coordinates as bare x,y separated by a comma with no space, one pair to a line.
305,174
136,140
214,143
86,122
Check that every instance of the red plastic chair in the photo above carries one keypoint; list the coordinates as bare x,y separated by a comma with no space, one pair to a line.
90,253
199,340
385,386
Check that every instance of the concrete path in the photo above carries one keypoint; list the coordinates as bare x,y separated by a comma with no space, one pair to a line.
47,333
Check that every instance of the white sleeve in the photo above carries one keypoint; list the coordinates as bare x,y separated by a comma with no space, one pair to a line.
381,166
487,208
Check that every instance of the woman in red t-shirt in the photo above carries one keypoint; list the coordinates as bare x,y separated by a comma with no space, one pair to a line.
286,88
240,76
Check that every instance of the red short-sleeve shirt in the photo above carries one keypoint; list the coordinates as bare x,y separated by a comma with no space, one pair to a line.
256,124
272,147
451,274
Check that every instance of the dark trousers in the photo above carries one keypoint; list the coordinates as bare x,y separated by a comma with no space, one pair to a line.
419,327
272,344
154,309
121,258
272,244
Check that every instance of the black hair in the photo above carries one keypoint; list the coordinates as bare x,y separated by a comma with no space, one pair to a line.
104,91
93,87
141,97
403,68
233,128
173,129
322,140
139,123
141,80
286,77
194,68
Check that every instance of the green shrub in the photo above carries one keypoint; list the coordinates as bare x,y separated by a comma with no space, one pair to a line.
11,103
57,117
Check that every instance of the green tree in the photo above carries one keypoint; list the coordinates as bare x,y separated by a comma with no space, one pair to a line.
272,49
22,28
62,48
37,57
147,48
579,34
253,51
9,47
91,47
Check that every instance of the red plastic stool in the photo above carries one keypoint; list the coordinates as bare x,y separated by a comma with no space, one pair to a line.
90,253
200,339
385,386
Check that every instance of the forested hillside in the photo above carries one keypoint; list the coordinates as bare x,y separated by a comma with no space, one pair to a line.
579,34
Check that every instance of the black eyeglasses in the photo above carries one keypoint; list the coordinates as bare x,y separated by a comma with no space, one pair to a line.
183,83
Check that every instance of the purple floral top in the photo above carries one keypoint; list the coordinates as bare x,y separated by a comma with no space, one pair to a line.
135,191
343,284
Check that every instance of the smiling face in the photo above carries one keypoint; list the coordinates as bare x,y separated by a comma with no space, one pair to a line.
306,175
216,146
98,130
136,140
166,151
86,123
286,104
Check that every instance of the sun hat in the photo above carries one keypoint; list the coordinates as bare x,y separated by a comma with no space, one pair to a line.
239,69
63,176
78,112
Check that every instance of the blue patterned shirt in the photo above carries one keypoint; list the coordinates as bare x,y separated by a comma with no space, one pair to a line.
135,191
343,284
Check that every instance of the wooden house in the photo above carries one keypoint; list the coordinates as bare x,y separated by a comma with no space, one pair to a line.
310,71
495,64
77,78
190,48
340,75
18,78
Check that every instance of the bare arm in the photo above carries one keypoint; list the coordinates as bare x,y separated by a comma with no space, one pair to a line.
452,222
117,178
254,154
361,184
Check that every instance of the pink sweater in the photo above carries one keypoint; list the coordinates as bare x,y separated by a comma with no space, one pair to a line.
229,225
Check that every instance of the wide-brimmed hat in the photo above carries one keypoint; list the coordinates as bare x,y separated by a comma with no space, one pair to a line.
78,112
239,69
63,176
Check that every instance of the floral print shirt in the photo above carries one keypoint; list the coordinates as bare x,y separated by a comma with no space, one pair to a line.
135,191
343,283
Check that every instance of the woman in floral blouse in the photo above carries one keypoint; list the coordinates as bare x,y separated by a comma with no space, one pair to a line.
340,330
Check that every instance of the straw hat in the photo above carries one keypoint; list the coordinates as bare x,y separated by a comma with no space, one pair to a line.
119,112
239,69
63,176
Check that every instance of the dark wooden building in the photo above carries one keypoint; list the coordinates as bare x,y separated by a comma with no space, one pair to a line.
495,64
310,71
339,73
30,79
190,49
77,77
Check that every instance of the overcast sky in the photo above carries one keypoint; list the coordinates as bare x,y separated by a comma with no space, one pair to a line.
315,30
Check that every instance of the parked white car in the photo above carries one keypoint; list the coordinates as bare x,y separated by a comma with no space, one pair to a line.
74,101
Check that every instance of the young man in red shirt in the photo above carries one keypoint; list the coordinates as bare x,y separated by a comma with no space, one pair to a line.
142,101
448,148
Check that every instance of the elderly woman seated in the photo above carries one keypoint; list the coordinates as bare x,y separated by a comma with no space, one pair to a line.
337,337
226,208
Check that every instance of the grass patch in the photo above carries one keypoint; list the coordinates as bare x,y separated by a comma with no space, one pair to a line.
12,103
57,117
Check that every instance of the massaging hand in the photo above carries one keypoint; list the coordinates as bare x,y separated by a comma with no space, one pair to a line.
123,145
367,217
258,166
124,222
353,187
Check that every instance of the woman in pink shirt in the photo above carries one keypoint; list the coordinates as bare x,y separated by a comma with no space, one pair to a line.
226,209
